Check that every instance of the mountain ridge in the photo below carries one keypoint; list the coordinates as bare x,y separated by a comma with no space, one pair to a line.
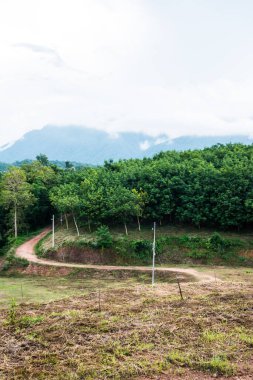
92,146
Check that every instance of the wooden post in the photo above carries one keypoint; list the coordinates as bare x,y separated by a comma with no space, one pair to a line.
53,231
180,290
153,261
99,300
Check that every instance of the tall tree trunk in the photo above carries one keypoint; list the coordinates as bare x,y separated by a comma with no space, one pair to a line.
15,222
66,220
77,229
139,224
126,228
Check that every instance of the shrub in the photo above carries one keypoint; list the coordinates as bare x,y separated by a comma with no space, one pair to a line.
137,251
200,255
142,249
104,237
13,261
191,240
12,314
218,243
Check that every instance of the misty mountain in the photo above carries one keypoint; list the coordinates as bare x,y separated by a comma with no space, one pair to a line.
92,146
198,142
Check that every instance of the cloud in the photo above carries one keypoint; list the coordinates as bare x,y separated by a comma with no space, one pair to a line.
145,145
135,65
46,51
161,140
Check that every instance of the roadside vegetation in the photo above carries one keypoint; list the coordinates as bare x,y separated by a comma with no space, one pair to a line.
174,245
9,259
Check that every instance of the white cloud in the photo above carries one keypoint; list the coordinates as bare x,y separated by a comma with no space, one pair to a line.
145,145
43,51
122,65
161,140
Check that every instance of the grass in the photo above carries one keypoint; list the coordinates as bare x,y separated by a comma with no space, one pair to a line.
51,326
213,336
15,242
147,233
39,245
139,332
50,285
175,245
8,251
37,289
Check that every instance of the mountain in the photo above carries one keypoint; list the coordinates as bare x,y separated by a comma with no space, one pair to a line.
197,142
75,143
91,146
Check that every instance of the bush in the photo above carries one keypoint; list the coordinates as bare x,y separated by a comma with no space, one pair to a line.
13,261
218,243
191,239
200,255
134,251
142,249
12,314
104,237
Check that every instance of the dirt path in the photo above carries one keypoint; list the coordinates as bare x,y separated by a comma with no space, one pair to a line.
26,251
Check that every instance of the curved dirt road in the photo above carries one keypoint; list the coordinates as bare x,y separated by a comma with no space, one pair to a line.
26,251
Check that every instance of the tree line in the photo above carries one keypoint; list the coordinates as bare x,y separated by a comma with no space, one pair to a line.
212,187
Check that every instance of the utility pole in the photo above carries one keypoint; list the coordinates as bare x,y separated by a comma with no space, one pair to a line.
53,231
153,266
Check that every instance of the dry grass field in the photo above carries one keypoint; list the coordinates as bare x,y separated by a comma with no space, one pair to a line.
122,328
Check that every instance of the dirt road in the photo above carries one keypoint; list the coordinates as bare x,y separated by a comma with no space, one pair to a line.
26,251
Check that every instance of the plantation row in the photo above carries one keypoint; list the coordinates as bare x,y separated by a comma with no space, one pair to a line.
210,187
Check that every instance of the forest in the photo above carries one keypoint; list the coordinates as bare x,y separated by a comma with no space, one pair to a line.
212,188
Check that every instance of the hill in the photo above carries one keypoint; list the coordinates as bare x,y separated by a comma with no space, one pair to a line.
91,146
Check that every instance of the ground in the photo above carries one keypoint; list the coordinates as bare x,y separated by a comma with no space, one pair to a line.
102,327
80,323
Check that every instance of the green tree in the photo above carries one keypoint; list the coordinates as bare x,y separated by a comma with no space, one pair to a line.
43,159
104,237
42,179
121,205
16,194
66,199
69,165
96,190
140,201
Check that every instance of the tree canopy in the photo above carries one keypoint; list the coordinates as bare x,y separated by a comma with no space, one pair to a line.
212,187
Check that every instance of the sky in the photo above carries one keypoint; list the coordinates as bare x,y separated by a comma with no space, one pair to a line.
179,67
